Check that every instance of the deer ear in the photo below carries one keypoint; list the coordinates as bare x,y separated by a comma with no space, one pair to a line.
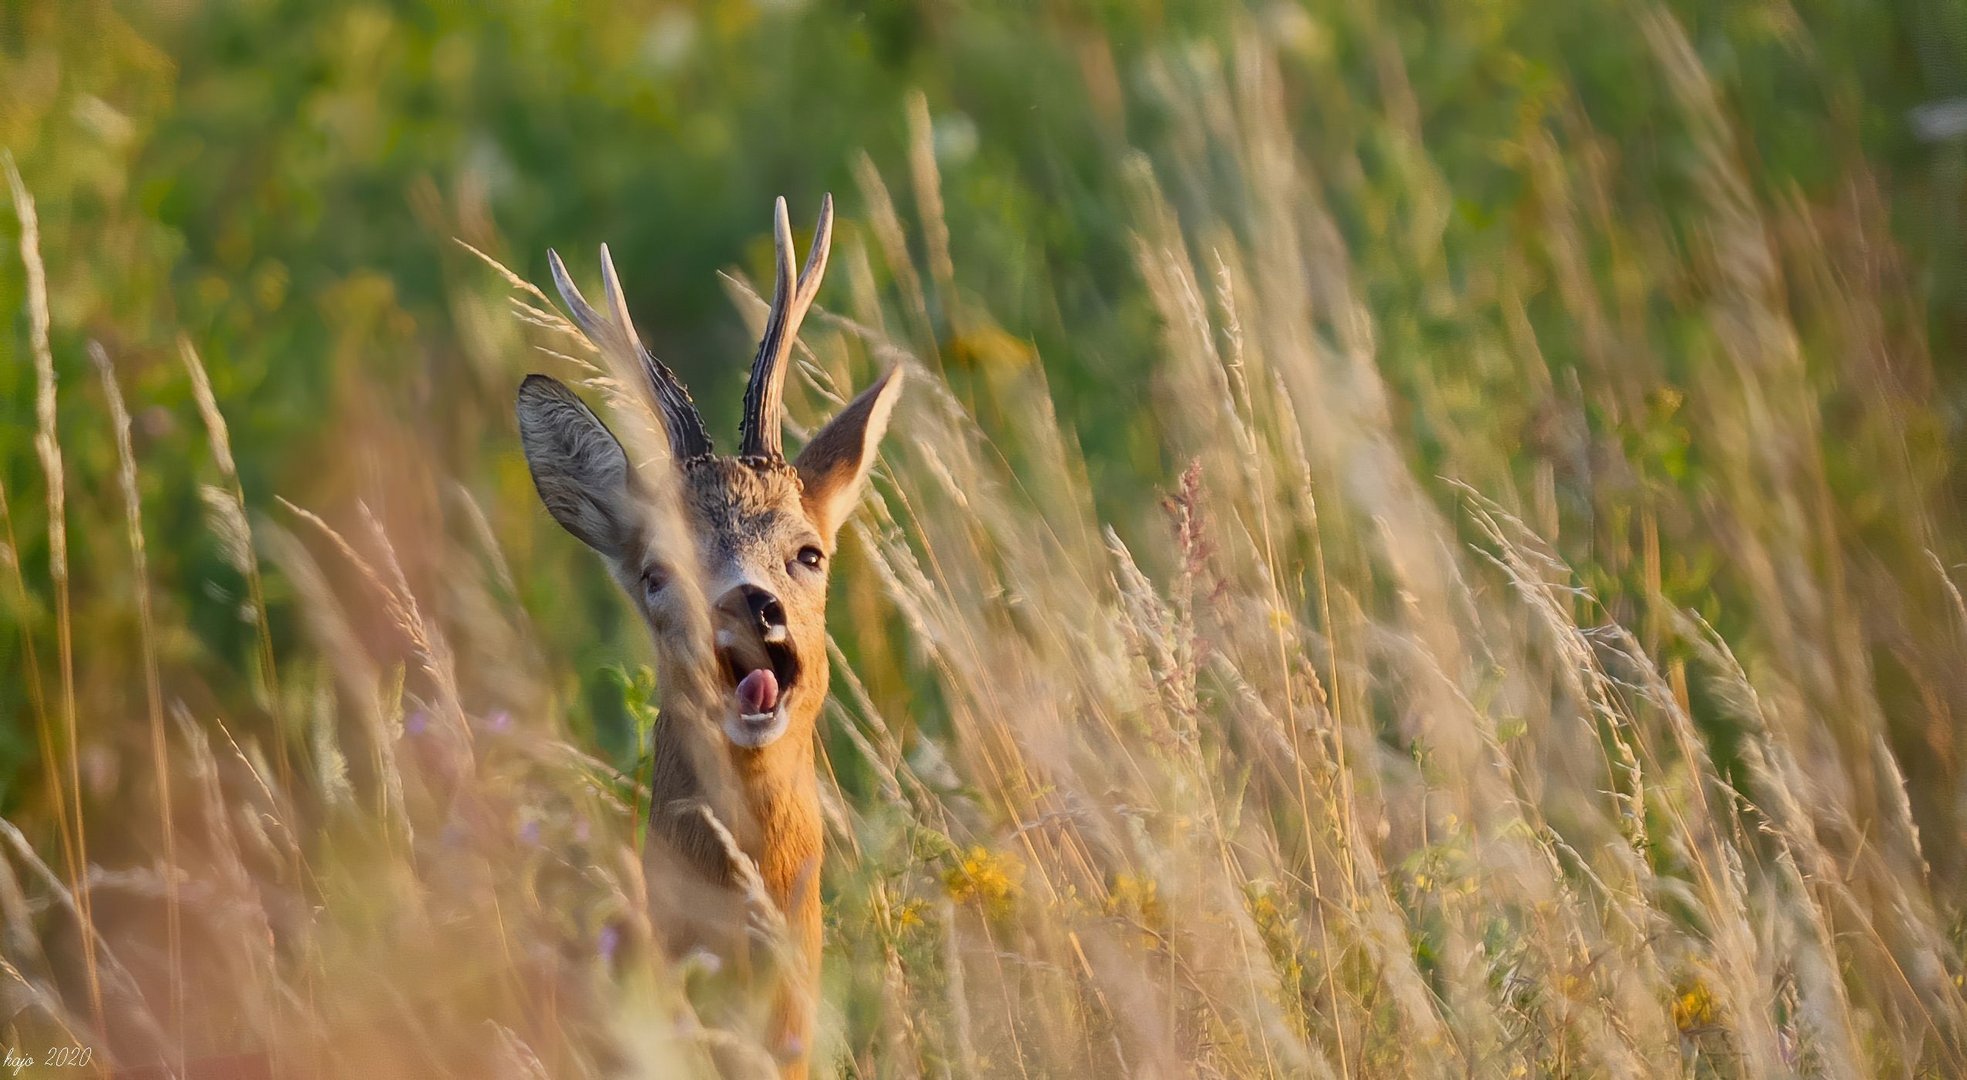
833,466
581,472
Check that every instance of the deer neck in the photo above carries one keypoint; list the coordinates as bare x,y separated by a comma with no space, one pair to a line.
780,788
768,798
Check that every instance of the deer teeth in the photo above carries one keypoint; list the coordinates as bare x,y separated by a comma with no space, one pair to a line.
775,635
757,717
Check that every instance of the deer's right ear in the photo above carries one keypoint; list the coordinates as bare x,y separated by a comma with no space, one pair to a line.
580,469
834,465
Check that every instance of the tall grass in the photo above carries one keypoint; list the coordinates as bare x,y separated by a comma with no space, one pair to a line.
1405,735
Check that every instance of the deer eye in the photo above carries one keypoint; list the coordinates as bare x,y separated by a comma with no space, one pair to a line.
654,580
811,557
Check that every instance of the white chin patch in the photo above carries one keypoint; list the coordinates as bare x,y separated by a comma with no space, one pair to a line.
754,730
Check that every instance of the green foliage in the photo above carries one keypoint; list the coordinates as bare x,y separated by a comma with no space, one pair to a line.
280,182
1672,289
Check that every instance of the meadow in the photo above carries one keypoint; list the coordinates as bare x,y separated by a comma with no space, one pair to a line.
1420,540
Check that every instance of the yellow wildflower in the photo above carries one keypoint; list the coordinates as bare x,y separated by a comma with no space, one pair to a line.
984,877
1694,1007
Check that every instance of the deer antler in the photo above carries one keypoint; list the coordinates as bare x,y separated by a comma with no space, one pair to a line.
764,396
616,332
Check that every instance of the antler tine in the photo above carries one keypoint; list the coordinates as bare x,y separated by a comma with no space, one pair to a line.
611,292
591,323
764,403
687,436
815,268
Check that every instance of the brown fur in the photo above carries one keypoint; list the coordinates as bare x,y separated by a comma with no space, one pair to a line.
748,520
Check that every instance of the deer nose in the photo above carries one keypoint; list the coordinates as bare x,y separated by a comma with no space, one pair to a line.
767,614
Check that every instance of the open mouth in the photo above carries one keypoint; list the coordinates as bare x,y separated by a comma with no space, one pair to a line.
760,674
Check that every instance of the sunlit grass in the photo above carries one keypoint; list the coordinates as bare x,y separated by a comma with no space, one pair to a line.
1537,708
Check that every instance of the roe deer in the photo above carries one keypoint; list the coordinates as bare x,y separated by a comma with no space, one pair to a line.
726,558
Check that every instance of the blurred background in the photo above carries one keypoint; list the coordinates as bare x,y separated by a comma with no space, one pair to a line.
1668,295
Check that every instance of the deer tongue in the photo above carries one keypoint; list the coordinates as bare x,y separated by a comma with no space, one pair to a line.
758,692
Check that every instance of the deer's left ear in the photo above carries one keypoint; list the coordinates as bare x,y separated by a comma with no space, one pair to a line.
582,474
834,465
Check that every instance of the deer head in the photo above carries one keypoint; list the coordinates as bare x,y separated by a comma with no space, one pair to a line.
760,529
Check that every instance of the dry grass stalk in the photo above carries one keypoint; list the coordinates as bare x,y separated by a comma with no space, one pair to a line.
47,445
